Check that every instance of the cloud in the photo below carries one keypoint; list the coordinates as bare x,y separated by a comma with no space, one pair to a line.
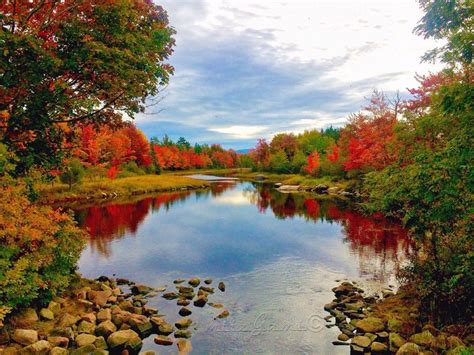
252,71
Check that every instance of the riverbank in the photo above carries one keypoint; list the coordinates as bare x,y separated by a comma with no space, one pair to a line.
108,315
121,187
390,322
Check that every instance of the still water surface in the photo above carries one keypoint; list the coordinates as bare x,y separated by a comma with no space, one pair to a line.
279,255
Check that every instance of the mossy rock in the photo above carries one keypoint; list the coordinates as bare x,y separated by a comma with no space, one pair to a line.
424,339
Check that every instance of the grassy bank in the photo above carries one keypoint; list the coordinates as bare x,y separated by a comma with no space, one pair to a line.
106,188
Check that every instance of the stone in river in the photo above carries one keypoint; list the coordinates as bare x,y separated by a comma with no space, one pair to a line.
195,281
343,337
370,325
170,295
105,328
165,329
221,286
378,347
200,301
224,314
181,333
207,289
184,289
208,281
178,281
125,338
163,340
183,323
183,302
184,312
184,346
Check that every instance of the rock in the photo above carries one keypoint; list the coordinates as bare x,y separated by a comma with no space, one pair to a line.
394,325
125,338
183,302
68,320
99,298
63,332
150,310
395,341
47,314
57,341
140,289
89,317
378,347
157,321
182,333
183,323
184,312
25,318
195,281
224,314
208,281
370,325
105,328
85,339
122,281
343,337
25,336
170,295
357,306
356,349
100,343
200,301
163,340
84,350
424,338
143,326
338,342
54,307
409,349
216,305
178,281
207,289
40,347
86,327
58,351
288,188
184,346
184,289
12,349
221,286
165,329
104,314
361,341
148,352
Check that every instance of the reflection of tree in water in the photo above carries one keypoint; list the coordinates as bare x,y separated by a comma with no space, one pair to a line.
378,242
114,221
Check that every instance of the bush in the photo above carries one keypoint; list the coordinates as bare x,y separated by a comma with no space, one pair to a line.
39,249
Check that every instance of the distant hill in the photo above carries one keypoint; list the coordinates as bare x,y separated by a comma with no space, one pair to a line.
243,151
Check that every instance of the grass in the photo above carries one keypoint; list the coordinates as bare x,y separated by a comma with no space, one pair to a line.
99,189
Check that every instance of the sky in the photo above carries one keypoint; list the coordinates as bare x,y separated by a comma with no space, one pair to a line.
248,69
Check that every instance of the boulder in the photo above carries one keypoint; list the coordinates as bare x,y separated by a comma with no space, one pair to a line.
25,336
343,337
105,328
170,295
104,314
362,341
184,289
200,301
163,340
84,350
377,347
183,323
195,281
85,339
321,189
409,349
370,325
221,286
157,321
141,289
423,339
58,351
125,339
25,318
99,298
40,347
47,314
182,333
207,289
224,314
67,320
208,281
395,341
57,341
89,317
394,325
183,302
184,312
184,346
86,327
100,343
165,329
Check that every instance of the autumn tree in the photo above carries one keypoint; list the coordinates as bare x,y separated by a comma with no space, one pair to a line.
76,61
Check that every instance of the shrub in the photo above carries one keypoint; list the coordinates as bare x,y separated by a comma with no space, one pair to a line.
73,173
39,249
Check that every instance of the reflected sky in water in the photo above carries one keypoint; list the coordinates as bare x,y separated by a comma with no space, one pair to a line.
279,254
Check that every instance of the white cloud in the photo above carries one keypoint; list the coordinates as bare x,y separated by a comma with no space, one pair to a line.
240,131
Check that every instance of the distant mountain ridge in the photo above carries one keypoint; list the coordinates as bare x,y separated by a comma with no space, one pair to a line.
243,151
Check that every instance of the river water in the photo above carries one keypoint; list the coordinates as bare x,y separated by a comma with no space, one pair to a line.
278,254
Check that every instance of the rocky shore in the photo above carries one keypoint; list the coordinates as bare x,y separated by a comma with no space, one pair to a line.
99,317
321,189
387,323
